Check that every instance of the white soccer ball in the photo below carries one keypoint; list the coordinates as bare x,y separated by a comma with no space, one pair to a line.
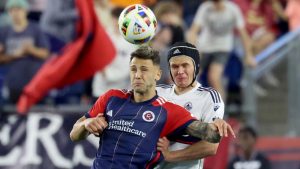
137,24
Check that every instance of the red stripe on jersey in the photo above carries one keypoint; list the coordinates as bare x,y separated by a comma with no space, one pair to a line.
177,116
156,158
101,103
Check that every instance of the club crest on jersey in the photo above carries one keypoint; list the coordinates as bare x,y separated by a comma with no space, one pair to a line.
188,106
148,116
216,107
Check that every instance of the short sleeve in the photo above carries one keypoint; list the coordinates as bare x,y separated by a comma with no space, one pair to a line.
100,105
213,107
239,19
178,119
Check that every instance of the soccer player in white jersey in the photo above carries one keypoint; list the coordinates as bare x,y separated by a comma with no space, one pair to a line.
203,103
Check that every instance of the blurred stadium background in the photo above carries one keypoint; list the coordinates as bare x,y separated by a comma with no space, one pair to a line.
266,97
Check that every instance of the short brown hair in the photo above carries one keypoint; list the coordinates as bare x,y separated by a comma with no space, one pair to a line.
146,52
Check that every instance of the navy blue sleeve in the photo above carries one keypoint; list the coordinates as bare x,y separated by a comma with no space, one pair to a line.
180,135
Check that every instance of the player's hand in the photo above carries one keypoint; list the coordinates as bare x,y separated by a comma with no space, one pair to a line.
95,125
163,146
223,127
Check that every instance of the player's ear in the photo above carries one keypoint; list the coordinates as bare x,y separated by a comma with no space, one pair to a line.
158,74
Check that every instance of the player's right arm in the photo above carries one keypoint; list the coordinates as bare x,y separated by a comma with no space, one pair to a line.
85,126
93,122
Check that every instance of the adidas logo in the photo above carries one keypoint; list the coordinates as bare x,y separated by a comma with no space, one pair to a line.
176,51
109,113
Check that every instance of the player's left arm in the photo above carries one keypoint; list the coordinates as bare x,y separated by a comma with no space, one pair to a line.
213,112
205,131
198,150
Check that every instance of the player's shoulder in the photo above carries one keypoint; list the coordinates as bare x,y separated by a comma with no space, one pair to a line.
210,93
164,88
122,93
166,104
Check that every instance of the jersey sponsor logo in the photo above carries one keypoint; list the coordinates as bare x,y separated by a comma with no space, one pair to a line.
188,106
109,113
125,126
148,116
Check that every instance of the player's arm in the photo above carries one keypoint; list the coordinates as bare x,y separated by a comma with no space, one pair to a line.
210,132
85,126
93,122
198,150
204,131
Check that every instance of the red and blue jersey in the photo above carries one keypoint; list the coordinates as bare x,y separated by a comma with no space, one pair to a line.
133,129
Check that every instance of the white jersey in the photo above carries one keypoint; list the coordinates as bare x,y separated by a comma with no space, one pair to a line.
203,103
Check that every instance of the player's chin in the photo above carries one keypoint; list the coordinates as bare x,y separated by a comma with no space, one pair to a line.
181,83
139,89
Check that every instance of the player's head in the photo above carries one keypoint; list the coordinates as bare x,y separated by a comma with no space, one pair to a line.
17,10
184,63
247,138
144,69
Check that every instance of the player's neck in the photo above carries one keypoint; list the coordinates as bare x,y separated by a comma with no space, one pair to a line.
182,90
141,97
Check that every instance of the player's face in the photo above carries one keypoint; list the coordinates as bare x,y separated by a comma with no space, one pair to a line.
143,75
182,70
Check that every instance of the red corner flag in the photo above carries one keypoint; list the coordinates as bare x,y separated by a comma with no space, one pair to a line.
90,52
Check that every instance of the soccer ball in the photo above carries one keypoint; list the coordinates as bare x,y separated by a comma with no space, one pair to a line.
137,24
